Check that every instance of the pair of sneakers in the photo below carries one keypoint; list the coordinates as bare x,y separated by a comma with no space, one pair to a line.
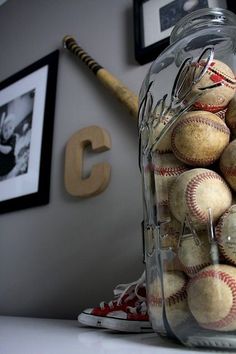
127,312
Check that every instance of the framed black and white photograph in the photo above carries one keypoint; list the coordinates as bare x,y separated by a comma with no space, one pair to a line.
155,19
27,103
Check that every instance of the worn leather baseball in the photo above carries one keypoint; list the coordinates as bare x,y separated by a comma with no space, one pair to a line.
199,138
212,297
175,297
230,116
164,144
225,232
194,253
228,164
217,86
222,114
166,168
194,192
169,233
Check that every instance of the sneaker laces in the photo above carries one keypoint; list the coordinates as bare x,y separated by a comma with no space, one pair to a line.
142,308
129,291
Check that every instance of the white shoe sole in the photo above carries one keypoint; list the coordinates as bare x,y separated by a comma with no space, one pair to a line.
91,320
122,325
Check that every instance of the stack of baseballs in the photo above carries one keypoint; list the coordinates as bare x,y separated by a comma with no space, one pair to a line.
195,176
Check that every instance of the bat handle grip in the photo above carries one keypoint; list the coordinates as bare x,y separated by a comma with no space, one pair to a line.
70,43
122,93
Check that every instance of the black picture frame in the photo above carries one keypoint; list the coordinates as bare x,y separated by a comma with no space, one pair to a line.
149,51
27,107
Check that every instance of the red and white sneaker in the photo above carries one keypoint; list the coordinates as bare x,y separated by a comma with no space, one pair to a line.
132,320
126,297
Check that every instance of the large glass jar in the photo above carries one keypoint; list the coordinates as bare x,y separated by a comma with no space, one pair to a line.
187,126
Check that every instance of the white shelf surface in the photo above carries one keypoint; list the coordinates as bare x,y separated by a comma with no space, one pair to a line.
20,335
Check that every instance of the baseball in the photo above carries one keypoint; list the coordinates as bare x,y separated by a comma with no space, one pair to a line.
169,237
211,297
228,164
199,138
225,232
194,253
169,233
216,98
194,192
230,116
175,297
164,145
166,168
222,114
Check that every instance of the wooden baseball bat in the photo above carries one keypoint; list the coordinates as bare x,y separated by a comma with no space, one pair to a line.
118,89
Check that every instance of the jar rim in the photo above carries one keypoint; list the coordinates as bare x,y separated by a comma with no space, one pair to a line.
217,17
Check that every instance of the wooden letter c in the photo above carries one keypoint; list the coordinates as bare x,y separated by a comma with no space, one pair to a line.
99,178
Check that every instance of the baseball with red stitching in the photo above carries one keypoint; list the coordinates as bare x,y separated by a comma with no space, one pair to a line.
225,232
194,192
211,297
164,144
217,86
175,297
170,230
166,168
228,164
221,114
230,116
194,253
199,138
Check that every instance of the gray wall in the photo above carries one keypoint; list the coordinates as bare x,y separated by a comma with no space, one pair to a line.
57,259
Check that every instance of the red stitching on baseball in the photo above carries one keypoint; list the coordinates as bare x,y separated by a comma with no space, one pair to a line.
231,283
228,171
178,297
192,270
190,194
218,228
229,80
196,119
169,171
154,300
208,107
202,120
221,114
173,299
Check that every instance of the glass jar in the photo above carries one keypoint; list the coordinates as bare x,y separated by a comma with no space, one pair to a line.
187,126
